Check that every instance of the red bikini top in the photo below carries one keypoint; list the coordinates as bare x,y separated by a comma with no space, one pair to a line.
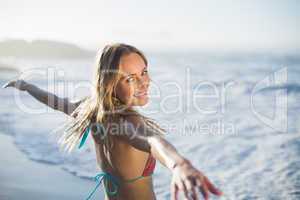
150,165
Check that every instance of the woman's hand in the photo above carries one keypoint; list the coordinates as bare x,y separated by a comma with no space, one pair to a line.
19,84
188,179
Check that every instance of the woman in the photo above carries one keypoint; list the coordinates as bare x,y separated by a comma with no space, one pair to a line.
126,154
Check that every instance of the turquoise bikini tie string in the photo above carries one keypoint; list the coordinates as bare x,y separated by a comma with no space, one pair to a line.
105,177
87,131
84,137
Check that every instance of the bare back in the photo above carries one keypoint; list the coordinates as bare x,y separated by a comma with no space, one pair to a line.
126,163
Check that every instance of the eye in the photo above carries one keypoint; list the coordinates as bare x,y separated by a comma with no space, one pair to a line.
130,79
145,72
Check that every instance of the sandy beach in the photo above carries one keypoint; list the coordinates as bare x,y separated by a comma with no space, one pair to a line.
21,178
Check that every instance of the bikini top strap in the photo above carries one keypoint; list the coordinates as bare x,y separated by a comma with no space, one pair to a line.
86,132
84,137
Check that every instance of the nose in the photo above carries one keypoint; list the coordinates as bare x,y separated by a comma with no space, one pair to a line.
143,83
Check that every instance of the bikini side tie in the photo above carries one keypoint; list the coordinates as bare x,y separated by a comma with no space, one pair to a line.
105,177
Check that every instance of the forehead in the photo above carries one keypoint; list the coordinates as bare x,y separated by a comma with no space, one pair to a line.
132,63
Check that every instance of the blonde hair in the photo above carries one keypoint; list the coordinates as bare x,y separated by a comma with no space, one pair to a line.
102,106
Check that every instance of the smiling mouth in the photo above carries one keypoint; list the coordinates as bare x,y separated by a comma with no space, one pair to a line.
140,94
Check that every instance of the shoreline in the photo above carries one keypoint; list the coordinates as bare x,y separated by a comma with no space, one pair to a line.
22,178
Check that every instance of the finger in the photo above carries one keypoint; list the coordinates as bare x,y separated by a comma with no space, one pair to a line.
174,192
8,84
196,192
183,188
5,85
190,188
204,191
198,182
212,188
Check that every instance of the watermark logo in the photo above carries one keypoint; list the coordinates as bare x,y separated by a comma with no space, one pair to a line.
275,82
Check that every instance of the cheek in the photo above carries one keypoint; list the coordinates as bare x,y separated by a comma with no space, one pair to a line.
147,80
124,92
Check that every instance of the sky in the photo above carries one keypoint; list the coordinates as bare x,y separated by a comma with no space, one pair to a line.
158,24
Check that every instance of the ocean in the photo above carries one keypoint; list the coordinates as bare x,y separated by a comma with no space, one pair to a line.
235,116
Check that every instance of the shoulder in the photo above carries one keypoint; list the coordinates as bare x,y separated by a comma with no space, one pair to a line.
135,120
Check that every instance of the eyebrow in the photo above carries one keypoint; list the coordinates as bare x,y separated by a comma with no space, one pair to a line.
134,74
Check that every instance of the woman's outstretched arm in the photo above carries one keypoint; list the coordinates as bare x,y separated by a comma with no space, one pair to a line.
186,177
49,99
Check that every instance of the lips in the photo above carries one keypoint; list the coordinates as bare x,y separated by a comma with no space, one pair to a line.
140,94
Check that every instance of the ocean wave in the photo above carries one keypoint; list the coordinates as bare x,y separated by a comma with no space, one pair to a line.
243,164
290,87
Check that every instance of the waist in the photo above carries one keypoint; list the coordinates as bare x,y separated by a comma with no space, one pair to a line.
137,190
114,186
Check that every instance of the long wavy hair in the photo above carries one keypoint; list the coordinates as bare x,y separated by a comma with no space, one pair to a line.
103,106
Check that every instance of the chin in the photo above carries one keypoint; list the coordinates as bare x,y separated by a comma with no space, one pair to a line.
144,103
141,102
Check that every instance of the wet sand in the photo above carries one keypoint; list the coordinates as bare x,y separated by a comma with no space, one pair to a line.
21,178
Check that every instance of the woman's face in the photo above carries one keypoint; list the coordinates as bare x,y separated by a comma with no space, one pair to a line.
132,88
